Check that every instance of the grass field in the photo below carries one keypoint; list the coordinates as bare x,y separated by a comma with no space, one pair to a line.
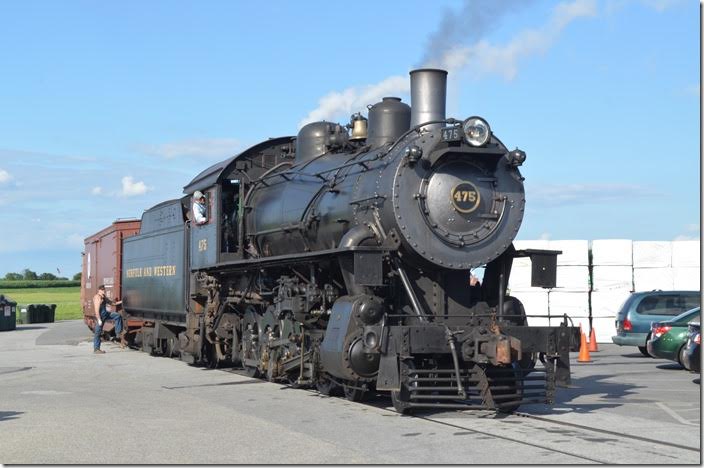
67,300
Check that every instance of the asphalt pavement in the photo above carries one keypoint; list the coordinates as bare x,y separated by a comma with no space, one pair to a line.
61,404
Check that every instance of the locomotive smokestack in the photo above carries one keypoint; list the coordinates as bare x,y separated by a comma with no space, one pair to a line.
428,95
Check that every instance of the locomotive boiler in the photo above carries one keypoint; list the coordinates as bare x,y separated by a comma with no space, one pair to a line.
340,259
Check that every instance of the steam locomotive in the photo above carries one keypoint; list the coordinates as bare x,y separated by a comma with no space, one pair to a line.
340,259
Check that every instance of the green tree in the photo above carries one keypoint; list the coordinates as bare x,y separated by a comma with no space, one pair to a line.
13,276
77,277
47,276
28,274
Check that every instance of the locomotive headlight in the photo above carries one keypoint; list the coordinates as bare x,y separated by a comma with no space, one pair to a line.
476,131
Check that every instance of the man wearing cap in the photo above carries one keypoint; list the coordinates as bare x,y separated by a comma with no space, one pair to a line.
100,303
200,210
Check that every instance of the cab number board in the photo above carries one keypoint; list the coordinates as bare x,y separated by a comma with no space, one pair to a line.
451,133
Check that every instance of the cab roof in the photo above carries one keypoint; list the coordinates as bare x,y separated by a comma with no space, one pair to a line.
218,171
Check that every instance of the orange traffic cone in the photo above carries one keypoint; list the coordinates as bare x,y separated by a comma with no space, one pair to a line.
584,350
593,347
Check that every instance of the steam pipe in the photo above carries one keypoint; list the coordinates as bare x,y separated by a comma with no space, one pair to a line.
417,309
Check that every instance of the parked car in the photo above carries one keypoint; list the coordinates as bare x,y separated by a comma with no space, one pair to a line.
691,359
642,308
669,337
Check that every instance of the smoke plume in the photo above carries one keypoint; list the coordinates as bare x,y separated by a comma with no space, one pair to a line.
473,21
460,43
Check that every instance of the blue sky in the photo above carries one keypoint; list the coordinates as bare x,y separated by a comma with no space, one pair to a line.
107,108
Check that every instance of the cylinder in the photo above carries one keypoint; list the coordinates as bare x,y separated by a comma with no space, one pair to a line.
428,96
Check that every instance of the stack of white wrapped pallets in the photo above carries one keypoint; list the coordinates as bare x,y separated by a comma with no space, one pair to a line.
535,300
612,283
652,265
666,265
571,294
686,265
591,290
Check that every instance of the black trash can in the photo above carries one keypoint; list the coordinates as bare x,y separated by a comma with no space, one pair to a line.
50,312
8,313
40,313
34,314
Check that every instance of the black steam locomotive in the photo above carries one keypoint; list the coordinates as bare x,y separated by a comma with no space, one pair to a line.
340,259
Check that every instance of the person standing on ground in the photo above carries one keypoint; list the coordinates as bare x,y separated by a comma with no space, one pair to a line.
100,303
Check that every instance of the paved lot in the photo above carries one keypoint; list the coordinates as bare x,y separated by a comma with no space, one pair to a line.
59,403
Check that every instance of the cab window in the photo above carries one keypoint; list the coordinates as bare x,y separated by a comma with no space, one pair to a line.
230,215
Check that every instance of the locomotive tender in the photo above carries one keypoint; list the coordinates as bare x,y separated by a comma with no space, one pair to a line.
340,260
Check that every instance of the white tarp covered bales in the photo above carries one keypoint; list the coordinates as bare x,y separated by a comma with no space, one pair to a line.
594,279
666,265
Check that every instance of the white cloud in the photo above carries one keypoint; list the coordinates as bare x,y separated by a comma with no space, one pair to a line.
130,188
205,148
4,176
580,194
97,190
691,233
692,90
662,5
685,237
338,104
545,236
484,58
75,241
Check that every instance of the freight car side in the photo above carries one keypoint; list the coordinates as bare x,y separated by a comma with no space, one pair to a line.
154,272
102,257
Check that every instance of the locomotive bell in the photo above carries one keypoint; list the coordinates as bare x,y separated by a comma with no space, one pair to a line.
359,127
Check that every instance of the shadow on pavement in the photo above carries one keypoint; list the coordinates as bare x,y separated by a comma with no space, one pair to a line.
635,355
585,387
29,327
10,370
7,415
65,333
670,366
241,382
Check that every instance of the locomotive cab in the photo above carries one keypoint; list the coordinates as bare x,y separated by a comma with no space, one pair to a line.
225,186
216,240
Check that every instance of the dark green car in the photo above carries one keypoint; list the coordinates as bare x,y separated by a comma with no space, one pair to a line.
669,337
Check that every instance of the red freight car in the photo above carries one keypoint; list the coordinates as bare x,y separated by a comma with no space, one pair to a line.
102,264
